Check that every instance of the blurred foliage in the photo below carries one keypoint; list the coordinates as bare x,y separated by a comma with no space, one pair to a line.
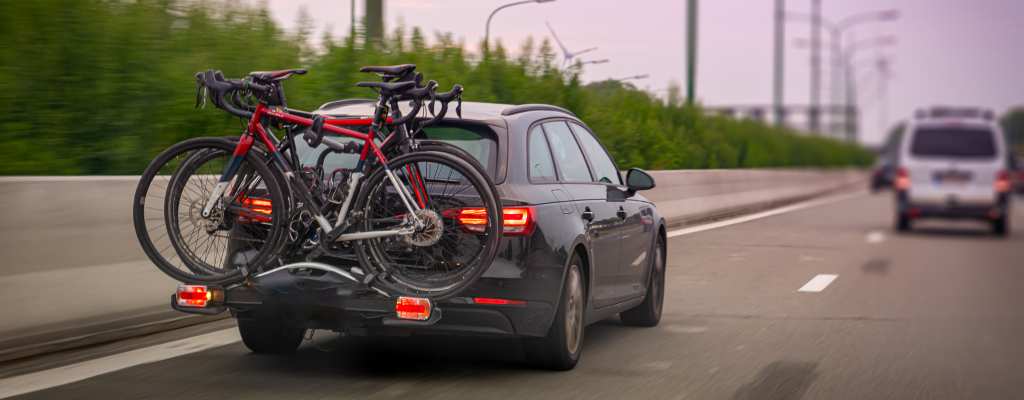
99,87
1013,127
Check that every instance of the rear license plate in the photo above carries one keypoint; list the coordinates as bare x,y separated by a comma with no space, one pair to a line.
951,177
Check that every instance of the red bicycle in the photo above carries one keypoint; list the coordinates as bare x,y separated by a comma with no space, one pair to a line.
413,217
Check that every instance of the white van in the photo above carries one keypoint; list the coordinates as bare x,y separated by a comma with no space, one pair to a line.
953,163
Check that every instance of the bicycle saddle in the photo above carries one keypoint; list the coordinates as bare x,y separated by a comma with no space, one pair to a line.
390,70
279,75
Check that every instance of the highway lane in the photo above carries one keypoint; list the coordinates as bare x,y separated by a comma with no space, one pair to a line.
930,314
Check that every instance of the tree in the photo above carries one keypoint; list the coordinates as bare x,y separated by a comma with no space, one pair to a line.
1013,127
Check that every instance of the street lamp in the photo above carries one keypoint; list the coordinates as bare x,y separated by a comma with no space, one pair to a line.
487,29
836,31
843,65
601,61
629,78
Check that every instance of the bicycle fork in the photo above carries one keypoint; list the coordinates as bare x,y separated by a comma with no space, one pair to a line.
244,144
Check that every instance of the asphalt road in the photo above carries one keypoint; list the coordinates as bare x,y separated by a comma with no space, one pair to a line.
928,315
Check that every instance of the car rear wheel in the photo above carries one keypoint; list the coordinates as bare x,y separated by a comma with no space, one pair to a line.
1001,226
560,349
902,222
266,335
648,313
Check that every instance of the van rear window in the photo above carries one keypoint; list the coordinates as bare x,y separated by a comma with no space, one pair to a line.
955,142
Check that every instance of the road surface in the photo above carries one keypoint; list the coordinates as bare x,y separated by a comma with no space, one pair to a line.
823,302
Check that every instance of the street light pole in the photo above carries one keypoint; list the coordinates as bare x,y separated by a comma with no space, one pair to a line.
815,86
487,28
691,50
779,70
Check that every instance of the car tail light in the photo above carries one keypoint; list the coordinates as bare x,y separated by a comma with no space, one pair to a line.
260,209
197,296
1003,181
902,179
414,308
515,220
498,302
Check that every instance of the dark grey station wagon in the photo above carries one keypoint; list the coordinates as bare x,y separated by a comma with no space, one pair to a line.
581,244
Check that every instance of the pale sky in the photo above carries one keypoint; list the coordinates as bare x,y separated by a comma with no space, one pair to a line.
957,52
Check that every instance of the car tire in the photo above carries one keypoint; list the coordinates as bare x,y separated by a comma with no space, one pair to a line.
902,222
1001,226
270,335
648,313
560,349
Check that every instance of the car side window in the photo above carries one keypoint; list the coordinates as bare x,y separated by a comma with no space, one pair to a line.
567,153
604,168
542,169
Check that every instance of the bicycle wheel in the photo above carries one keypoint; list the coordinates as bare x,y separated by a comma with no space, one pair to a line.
167,200
459,235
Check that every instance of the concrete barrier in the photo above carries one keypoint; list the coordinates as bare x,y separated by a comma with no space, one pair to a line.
72,266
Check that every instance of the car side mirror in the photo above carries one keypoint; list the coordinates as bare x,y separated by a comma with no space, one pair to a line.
638,179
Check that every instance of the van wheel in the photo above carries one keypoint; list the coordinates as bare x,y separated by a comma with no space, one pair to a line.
560,349
270,335
648,313
902,222
1001,226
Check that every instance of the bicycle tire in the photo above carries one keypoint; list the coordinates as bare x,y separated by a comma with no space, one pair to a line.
377,256
150,208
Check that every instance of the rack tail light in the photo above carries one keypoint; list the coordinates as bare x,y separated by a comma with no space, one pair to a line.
515,221
198,296
413,308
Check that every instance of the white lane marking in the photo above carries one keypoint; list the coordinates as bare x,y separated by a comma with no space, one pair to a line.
764,214
40,380
875,237
818,283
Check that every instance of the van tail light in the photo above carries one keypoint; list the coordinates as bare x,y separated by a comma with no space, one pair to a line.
259,209
198,296
516,221
1003,181
902,179
414,308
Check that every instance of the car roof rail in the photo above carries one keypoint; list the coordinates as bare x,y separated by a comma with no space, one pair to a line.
534,107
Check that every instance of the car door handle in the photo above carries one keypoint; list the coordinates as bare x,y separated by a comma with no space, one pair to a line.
587,215
621,213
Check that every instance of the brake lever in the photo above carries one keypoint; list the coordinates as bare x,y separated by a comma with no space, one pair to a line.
458,106
433,99
201,93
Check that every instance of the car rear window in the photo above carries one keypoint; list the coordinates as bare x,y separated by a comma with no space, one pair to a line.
957,142
476,139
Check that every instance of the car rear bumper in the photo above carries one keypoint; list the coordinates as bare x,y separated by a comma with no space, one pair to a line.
952,208
334,303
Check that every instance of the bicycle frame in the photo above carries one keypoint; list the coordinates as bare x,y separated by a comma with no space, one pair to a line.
255,131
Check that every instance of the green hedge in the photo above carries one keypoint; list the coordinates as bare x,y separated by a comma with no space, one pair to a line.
99,87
